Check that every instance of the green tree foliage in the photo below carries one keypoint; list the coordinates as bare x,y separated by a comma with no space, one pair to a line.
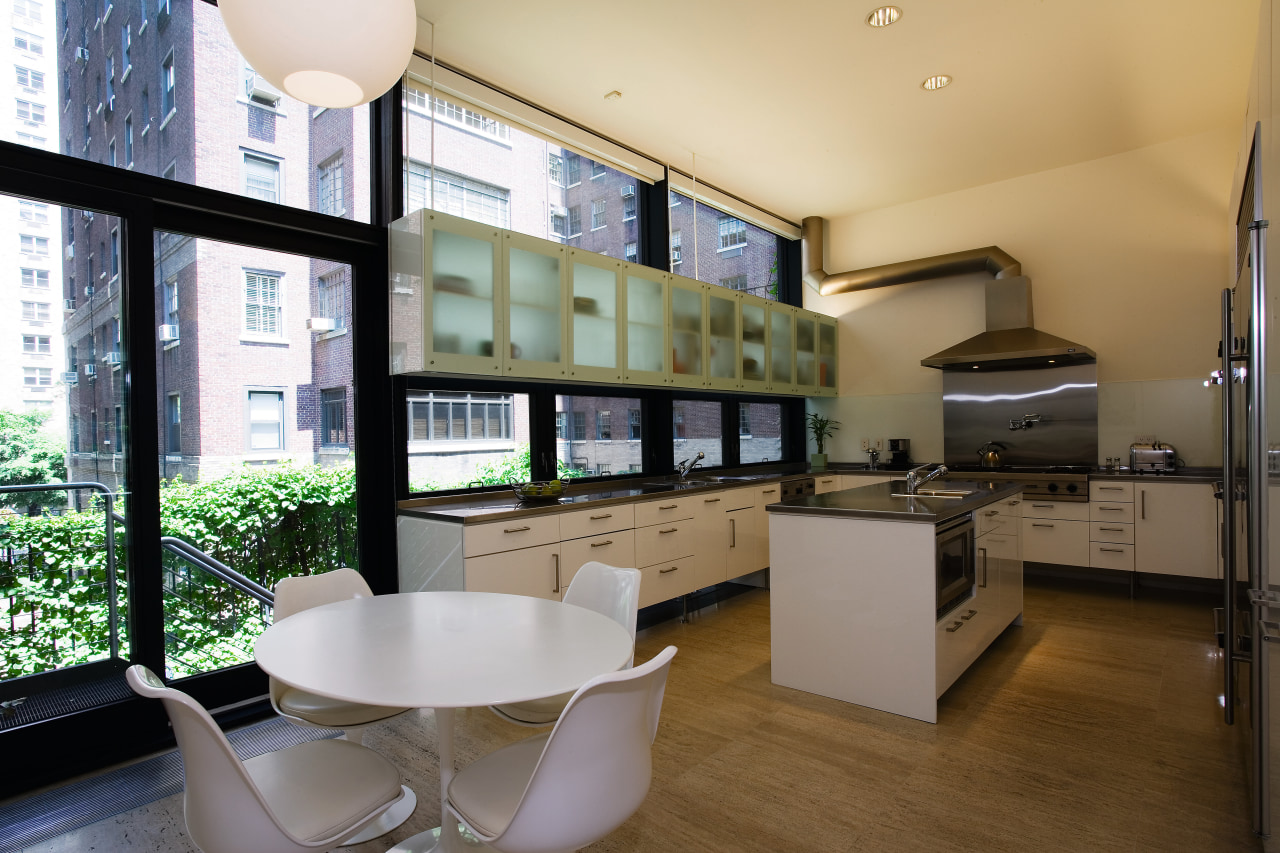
29,455
513,467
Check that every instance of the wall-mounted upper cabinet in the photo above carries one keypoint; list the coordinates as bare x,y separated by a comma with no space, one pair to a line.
467,298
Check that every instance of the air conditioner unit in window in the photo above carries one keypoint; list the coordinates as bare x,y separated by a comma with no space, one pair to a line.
322,324
90,370
168,333
86,215
68,305
258,89
88,291
69,252
628,190
71,378
82,55
112,358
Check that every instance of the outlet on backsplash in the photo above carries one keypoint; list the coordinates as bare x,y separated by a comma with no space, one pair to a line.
878,444
866,444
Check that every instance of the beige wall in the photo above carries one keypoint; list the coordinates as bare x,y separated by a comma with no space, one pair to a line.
1126,255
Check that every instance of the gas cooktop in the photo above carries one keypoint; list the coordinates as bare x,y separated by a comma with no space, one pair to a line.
1059,482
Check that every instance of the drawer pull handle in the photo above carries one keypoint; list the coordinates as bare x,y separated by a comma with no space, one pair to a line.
1113,550
824,482
1111,509
711,500
1111,488
1037,524
1112,529
668,530
599,517
991,513
556,589
1014,503
516,529
1043,506
601,544
768,491
666,571
670,506
955,626
969,615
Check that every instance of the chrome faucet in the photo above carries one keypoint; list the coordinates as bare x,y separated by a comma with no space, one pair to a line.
1024,422
684,467
915,480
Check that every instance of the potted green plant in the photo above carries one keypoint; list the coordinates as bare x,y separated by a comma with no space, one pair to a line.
821,428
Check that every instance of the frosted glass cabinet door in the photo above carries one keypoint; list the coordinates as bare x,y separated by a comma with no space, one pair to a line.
781,348
806,330
723,363
594,339
688,302
828,356
755,341
647,344
461,320
536,284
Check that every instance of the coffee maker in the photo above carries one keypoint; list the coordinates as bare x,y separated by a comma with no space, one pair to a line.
900,452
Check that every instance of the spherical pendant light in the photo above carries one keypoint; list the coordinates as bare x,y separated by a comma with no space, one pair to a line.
329,53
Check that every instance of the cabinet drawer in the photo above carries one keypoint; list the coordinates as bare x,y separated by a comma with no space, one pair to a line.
991,519
1065,510
1108,490
829,483
1055,541
661,511
615,549
662,543
1110,531
589,522
529,571
998,546
508,535
667,580
1108,555
1105,511
958,643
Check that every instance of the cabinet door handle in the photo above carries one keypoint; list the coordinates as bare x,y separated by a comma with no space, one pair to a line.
824,482
1143,494
599,517
711,500
991,513
955,626
516,529
668,530
1112,550
672,506
1013,503
1112,529
983,552
666,571
1037,524
733,533
768,491
601,544
557,586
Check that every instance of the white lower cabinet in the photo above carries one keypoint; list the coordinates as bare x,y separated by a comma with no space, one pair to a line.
765,495
615,549
1175,529
533,571
1055,532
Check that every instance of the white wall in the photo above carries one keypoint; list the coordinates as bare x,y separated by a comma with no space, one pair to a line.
1126,255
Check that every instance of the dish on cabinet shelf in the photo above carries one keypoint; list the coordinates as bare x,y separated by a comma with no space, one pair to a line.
486,349
585,305
453,284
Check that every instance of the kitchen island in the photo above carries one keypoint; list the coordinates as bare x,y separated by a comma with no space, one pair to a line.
854,592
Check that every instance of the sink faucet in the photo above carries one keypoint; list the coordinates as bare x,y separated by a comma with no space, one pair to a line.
684,467
1024,422
915,480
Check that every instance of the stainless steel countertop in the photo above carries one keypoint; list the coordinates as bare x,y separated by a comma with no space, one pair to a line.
877,502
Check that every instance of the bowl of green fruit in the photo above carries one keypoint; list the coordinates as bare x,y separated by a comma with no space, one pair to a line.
539,491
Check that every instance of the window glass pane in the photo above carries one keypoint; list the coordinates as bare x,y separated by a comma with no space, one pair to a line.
759,432
696,428
730,252
253,400
600,439
122,90
459,439
496,173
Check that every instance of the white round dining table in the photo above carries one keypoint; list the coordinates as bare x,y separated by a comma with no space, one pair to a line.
442,650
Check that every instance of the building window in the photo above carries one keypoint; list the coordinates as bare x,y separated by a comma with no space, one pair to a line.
168,98
75,433
559,224
579,426
35,312
329,186
562,426
676,256
266,420
673,198
32,245
28,43
555,169
572,169
677,424
733,233
604,430
173,424
631,252
469,119
31,9
597,170
333,298
744,419
458,195
628,207
126,43
29,79
575,221
171,304
33,211
734,282
128,140
111,152
39,344
597,214
445,416
261,178
31,113
333,417
146,112
262,303
115,252
31,139
37,377
142,14
633,425
35,278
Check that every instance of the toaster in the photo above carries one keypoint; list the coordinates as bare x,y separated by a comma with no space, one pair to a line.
1155,456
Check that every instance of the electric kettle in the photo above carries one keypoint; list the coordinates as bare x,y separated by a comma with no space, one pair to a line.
989,454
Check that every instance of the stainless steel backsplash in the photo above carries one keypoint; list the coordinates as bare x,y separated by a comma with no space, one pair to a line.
977,407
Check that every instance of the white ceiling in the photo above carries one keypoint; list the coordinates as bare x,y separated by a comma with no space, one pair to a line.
800,108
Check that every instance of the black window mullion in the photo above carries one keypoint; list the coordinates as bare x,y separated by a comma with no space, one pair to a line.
651,221
730,447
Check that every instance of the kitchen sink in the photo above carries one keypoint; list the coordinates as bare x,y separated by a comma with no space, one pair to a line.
937,493
725,478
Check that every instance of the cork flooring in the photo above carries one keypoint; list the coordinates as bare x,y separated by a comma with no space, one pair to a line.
1093,728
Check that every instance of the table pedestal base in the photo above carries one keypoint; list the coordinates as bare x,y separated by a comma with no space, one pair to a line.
429,842
389,819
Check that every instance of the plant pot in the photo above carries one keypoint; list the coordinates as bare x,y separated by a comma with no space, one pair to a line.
818,461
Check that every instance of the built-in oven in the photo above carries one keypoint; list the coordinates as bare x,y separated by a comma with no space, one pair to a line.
955,562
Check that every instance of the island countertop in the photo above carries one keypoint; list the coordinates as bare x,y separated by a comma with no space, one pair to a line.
881,502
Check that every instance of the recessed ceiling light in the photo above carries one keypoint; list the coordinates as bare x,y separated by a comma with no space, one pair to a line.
935,82
884,16
613,96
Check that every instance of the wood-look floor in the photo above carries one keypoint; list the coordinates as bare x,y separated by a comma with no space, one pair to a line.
1095,727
